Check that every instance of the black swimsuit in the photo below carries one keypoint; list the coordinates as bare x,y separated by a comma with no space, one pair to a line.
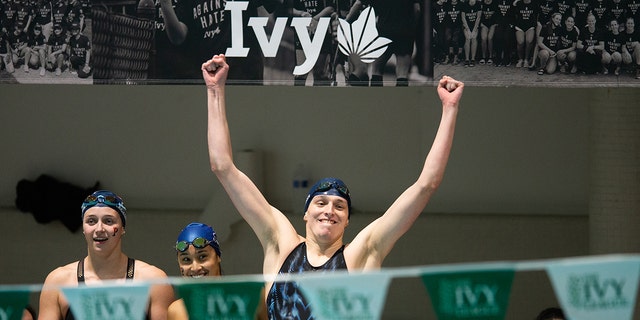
285,301
130,271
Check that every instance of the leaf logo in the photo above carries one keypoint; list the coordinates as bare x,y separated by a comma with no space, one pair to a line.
361,38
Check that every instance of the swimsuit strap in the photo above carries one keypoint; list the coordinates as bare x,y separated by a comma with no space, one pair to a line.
80,272
131,266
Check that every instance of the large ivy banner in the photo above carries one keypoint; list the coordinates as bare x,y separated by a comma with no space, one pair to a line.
471,294
12,303
108,302
323,43
221,300
590,289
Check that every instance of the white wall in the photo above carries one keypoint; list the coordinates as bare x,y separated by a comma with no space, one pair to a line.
516,149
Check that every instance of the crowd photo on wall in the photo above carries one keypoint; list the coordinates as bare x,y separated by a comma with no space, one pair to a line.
548,37
321,43
45,39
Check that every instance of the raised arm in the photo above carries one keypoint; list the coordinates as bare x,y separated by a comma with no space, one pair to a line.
176,29
377,239
271,227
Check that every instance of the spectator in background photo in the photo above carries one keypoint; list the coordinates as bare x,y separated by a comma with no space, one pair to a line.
548,42
199,33
35,56
57,50
618,11
600,9
612,53
582,10
633,8
5,55
631,48
76,14
546,10
566,8
471,15
438,22
80,52
167,61
488,25
19,46
7,16
315,10
525,22
505,34
398,21
59,14
43,17
590,46
358,71
24,15
566,53
454,34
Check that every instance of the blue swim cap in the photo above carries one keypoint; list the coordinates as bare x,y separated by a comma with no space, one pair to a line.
105,198
329,186
199,230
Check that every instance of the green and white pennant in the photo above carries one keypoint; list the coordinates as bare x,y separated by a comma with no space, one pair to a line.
12,303
596,288
474,292
346,296
108,301
233,300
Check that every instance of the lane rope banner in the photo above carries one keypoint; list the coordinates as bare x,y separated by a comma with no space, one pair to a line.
472,294
108,302
594,289
344,296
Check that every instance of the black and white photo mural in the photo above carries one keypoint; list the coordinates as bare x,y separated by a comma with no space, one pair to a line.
568,43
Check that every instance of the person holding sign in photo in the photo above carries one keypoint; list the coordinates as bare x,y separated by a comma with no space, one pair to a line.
327,207
197,28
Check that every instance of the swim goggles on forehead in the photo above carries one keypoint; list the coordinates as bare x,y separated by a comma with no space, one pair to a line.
111,201
343,190
198,243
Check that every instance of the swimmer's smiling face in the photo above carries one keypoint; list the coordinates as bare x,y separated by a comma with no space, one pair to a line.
327,217
102,229
199,262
